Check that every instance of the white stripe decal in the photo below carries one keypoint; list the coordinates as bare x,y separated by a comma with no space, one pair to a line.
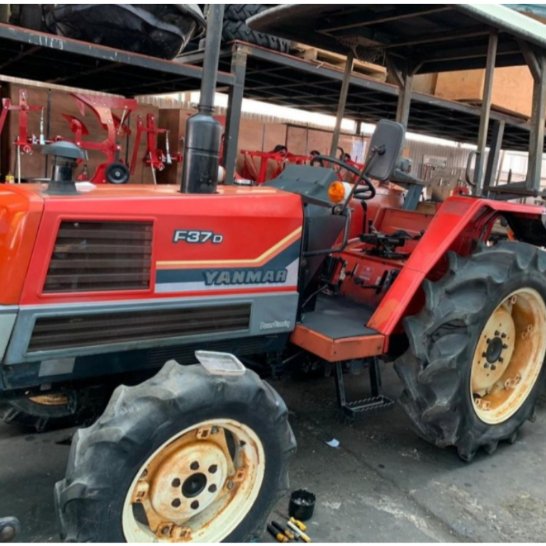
291,280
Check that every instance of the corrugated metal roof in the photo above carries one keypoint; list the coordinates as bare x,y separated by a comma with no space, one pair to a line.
431,37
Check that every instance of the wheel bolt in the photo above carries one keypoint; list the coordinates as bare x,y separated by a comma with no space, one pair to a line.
497,333
504,346
493,367
501,360
503,336
194,465
486,365
484,355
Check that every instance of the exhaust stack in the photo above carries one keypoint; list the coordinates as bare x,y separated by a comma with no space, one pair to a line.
66,156
203,132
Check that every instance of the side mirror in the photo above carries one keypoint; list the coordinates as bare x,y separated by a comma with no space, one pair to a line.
385,149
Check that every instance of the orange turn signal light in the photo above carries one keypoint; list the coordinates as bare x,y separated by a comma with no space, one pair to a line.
336,192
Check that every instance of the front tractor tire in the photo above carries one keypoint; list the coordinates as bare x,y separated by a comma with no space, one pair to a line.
474,367
183,457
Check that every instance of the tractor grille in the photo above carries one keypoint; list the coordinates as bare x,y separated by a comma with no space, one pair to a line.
91,256
52,333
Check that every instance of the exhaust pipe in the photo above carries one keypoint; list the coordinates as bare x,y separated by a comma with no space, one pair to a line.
203,132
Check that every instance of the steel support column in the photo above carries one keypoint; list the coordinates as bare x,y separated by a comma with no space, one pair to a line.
486,109
233,118
342,102
404,99
494,154
536,138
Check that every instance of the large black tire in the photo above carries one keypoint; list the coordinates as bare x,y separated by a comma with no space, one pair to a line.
242,12
106,457
81,407
235,27
443,337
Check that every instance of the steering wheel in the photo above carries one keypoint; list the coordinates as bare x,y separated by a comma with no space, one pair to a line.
366,193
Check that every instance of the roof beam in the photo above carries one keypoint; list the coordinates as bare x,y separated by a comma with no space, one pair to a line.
437,37
399,13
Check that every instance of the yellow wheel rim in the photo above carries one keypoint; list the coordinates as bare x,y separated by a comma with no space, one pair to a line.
197,487
56,399
509,356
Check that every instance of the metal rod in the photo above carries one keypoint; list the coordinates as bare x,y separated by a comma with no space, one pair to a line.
233,118
536,138
485,113
384,19
404,99
494,154
18,154
342,102
215,18
48,132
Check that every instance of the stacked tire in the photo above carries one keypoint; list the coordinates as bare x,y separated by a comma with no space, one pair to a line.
235,27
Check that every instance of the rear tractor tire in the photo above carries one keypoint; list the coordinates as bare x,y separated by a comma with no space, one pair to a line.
183,457
56,410
474,368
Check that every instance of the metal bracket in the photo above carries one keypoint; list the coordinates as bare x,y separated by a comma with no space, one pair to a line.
531,59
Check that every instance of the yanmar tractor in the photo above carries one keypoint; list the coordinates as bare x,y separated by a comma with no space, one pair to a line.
114,281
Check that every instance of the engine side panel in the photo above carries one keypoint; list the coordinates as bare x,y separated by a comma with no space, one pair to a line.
20,213
219,267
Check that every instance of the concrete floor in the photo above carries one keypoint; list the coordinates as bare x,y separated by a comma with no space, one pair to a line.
383,484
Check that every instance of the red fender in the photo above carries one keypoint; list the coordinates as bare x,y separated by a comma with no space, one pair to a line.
459,222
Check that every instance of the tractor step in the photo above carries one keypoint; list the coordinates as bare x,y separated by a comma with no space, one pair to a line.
373,403
377,401
336,330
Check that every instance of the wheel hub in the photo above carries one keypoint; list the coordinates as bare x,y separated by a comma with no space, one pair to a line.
194,485
494,350
508,356
197,486
184,485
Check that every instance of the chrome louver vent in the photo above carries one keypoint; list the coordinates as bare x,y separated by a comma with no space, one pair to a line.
91,256
84,330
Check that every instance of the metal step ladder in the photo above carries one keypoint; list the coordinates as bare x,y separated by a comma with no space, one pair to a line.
375,402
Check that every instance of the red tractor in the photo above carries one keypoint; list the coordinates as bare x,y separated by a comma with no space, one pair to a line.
116,281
